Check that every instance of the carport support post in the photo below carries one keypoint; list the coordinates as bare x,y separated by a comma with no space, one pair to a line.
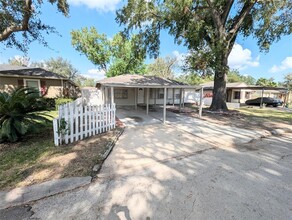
180,94
183,98
261,105
112,96
201,102
136,95
147,101
106,95
173,96
164,105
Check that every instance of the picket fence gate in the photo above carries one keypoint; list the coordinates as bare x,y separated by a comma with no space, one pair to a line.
76,122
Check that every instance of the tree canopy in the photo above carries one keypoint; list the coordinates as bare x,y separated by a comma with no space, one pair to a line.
115,56
235,76
60,66
288,81
266,82
208,28
23,16
162,67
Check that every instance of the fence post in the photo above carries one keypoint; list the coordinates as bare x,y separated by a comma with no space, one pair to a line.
56,135
71,115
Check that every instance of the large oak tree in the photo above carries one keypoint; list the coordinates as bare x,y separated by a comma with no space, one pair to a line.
23,16
208,28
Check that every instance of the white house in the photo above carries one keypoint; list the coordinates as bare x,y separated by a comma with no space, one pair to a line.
135,90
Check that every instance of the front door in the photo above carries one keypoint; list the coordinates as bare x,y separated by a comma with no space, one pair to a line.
140,96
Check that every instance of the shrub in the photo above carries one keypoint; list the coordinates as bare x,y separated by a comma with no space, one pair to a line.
18,111
50,103
61,101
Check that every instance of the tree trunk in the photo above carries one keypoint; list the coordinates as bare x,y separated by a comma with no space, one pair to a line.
219,90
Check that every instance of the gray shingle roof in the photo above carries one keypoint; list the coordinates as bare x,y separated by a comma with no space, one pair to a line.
10,70
129,80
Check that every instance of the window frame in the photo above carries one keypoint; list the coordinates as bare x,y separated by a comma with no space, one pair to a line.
35,80
122,93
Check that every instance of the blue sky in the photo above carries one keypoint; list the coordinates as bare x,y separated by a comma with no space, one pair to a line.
245,56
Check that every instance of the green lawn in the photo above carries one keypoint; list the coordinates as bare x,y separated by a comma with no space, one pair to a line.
271,114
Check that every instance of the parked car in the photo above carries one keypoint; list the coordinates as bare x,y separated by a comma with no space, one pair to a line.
266,101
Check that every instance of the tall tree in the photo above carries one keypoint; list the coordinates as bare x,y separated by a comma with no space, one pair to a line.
115,56
288,81
23,16
235,76
194,78
162,67
208,28
266,82
19,61
60,66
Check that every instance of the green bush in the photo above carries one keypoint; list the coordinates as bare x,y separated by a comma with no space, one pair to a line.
61,101
18,111
50,103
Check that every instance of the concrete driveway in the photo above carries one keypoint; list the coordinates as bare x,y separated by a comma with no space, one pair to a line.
184,170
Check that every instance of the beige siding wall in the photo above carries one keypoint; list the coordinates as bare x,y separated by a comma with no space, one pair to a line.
8,84
130,100
54,88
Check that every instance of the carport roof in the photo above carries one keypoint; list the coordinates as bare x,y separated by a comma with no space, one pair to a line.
142,81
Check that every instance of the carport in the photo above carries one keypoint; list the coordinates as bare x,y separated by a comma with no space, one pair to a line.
126,90
266,88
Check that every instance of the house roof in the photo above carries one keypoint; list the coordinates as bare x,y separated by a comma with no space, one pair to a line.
20,71
228,85
242,85
142,81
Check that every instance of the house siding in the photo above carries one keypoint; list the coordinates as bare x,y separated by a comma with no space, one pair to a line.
8,84
54,87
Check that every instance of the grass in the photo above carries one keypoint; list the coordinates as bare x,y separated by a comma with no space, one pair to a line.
35,159
271,114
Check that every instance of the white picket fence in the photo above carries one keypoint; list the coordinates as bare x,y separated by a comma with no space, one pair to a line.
76,122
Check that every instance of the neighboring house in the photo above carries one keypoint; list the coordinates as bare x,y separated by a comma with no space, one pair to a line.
50,85
239,92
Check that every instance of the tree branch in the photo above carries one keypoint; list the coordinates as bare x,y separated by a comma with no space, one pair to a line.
240,18
226,11
27,13
216,17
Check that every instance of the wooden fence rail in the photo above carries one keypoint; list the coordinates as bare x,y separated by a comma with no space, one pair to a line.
76,122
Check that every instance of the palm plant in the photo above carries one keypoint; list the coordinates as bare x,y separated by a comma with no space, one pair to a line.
18,111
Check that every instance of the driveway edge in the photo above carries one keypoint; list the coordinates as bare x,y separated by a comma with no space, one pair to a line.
23,195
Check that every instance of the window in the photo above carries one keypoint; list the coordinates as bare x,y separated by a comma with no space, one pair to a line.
236,95
160,94
121,93
247,95
32,83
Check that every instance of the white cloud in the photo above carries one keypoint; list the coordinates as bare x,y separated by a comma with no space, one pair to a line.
240,58
180,57
285,64
95,74
100,5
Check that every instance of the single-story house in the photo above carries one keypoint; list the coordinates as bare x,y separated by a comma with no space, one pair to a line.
50,85
239,92
134,90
